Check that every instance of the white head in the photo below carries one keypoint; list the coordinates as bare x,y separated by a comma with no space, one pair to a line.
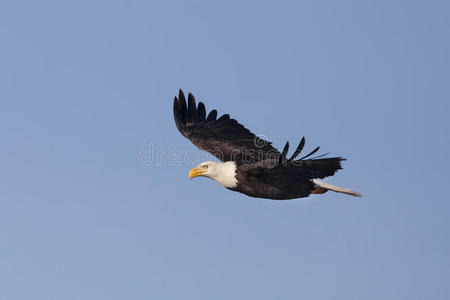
224,173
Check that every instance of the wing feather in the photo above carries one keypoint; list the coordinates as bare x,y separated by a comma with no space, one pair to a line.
298,150
212,116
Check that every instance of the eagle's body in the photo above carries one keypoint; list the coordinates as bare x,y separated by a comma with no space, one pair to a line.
267,180
251,165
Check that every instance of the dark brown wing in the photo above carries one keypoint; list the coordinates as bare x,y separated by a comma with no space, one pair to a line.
223,137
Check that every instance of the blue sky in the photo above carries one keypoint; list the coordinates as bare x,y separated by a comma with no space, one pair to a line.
87,87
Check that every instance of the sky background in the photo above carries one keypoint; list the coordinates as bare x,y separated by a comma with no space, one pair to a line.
86,90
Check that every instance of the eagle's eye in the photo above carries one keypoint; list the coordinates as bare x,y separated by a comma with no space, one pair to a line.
205,166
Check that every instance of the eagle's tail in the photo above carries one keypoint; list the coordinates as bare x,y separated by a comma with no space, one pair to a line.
322,187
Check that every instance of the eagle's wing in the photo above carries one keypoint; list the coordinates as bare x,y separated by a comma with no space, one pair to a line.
223,137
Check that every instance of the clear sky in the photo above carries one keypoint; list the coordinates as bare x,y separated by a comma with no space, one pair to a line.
87,89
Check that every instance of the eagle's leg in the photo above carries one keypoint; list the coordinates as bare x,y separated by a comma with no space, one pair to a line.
319,190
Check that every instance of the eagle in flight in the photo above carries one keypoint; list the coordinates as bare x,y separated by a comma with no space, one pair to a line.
250,164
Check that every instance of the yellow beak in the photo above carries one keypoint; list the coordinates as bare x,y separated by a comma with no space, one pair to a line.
195,172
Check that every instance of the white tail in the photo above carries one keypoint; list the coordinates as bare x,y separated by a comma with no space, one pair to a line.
330,187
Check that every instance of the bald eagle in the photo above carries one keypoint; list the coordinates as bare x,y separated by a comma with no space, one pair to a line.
250,164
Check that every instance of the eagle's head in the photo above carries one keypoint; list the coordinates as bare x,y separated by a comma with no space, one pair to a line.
224,173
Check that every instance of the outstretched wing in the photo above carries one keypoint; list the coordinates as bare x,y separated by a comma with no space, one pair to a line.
223,137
